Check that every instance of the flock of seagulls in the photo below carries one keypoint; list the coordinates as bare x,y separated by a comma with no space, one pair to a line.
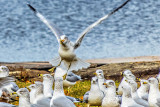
102,92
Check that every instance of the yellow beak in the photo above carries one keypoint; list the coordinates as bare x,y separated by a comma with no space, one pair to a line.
139,79
13,93
95,74
121,73
104,84
145,83
41,75
126,80
62,40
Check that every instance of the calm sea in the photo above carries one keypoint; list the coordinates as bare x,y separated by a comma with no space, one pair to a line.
132,31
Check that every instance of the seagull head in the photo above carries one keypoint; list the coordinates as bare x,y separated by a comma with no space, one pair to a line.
99,74
4,71
143,81
153,81
129,76
132,84
63,39
126,72
32,87
48,77
94,80
23,92
109,83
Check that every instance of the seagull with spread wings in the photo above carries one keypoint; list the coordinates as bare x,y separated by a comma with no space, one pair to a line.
67,58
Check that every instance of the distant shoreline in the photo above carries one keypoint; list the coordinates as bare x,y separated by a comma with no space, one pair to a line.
98,61
101,60
125,59
45,64
142,67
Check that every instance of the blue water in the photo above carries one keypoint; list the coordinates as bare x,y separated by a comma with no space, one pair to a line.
132,31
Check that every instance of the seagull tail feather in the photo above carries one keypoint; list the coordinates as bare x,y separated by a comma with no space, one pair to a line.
56,61
78,64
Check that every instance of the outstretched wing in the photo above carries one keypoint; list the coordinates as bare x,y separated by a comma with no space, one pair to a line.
56,31
79,40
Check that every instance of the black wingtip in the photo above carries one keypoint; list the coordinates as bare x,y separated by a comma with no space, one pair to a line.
120,7
32,8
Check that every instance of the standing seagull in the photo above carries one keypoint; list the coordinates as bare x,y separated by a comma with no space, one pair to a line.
47,85
67,58
59,99
101,79
111,99
143,90
154,93
127,75
5,80
95,95
134,94
127,100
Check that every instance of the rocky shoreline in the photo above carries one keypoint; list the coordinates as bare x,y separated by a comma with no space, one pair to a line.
142,67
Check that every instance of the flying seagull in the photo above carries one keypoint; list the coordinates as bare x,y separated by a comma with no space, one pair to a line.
67,58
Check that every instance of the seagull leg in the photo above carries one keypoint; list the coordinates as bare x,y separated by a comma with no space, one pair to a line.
88,105
53,68
68,90
64,77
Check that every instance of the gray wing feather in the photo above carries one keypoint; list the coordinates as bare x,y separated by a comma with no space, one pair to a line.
85,97
38,105
45,102
72,77
158,104
145,97
56,31
136,106
2,104
62,102
6,80
158,100
81,36
141,102
75,100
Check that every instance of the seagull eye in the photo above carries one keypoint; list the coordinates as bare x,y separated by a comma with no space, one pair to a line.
65,37
111,83
150,81
21,91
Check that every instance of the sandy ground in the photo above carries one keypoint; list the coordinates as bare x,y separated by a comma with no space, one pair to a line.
127,59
